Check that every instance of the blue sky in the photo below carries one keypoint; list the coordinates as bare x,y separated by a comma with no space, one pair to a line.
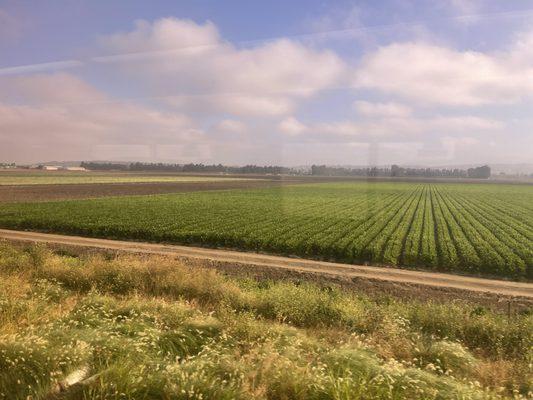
434,83
58,29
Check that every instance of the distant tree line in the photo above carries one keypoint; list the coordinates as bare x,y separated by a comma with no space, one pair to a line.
97,166
318,170
397,171
213,168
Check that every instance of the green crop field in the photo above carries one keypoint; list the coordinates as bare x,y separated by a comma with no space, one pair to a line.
479,229
64,178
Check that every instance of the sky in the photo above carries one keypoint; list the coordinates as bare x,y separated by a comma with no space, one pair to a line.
446,82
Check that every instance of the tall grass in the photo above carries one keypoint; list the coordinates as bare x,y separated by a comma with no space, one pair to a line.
152,328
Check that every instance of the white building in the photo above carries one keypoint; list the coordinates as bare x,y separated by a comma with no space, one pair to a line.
76,169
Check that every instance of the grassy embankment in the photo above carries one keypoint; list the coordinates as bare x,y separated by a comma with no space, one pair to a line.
151,328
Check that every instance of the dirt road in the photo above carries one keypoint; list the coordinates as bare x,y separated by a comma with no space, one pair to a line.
251,260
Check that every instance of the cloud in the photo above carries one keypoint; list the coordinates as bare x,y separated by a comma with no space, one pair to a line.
196,97
66,118
70,116
231,125
50,66
464,6
193,64
432,74
392,110
462,141
49,89
384,140
521,52
386,129
451,146
165,34
292,127
231,103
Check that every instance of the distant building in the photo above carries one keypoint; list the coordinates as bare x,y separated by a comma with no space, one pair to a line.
76,169
51,168
7,165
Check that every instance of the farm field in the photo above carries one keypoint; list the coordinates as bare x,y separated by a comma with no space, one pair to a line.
17,185
36,193
463,228
88,326
69,178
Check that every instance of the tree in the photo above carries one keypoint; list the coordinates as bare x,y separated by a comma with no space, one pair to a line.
479,172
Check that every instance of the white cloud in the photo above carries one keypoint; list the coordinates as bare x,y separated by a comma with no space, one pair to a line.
461,124
251,105
230,103
292,127
32,68
432,74
462,141
339,128
454,145
521,52
168,34
180,58
231,125
407,128
393,110
465,6
67,114
184,75
49,89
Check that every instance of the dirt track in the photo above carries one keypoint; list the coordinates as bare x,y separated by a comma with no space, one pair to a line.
250,261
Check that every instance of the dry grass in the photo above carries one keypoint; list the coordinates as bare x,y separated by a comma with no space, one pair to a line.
149,327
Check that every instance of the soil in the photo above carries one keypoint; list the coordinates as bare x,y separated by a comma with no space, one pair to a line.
35,193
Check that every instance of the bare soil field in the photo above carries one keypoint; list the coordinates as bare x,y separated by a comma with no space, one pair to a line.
72,178
16,193
20,185
498,294
50,192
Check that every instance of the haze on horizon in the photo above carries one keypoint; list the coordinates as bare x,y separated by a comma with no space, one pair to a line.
342,83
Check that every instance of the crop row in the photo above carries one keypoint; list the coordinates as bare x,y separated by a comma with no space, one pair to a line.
476,229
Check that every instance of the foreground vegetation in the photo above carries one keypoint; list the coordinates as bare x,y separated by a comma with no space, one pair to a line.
479,229
125,327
